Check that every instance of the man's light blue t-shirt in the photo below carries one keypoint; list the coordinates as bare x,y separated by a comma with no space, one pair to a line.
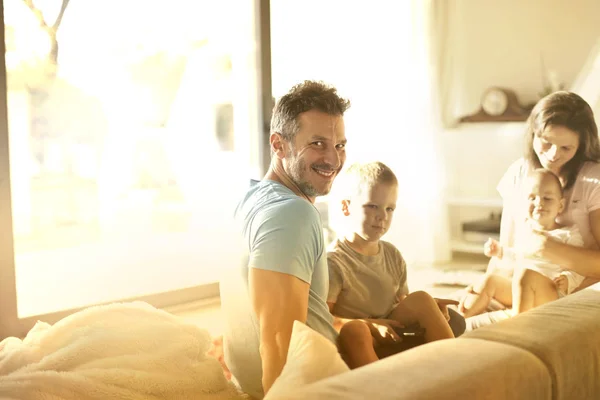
280,232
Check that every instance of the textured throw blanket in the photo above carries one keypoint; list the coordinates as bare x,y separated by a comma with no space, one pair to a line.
125,351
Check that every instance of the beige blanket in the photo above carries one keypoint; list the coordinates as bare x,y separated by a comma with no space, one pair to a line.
125,351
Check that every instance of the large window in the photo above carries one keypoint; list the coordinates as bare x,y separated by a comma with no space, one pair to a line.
132,127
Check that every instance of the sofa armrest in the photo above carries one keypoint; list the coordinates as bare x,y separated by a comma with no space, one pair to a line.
564,335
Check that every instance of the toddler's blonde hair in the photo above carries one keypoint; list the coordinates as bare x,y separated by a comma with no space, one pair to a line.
360,177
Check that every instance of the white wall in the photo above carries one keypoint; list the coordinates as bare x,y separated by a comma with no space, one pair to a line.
500,43
476,156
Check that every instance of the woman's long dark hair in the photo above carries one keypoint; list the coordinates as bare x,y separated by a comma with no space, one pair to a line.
571,111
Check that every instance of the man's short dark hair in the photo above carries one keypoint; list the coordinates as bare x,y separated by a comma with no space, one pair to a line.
303,97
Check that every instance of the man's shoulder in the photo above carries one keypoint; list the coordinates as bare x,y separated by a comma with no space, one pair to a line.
294,210
270,199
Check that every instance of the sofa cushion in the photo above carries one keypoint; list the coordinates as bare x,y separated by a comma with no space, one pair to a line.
564,335
447,369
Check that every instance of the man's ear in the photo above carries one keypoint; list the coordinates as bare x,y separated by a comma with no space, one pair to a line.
277,145
346,207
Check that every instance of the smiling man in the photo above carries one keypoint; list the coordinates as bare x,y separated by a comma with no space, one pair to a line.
284,276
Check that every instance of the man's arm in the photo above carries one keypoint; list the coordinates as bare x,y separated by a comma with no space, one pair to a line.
278,299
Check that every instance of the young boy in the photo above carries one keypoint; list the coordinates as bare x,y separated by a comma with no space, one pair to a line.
534,282
367,276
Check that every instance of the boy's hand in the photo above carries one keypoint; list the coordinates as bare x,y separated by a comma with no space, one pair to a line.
562,283
383,331
443,305
492,248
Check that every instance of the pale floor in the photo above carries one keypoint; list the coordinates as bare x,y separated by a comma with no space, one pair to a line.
439,281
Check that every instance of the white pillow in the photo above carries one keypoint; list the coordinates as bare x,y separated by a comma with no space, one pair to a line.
311,357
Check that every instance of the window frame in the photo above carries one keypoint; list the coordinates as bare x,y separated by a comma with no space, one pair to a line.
10,323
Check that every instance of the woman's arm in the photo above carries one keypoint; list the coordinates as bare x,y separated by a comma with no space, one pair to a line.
581,260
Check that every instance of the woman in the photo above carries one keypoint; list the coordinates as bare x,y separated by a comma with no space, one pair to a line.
562,137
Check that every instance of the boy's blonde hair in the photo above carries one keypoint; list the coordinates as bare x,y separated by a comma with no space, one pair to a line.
364,176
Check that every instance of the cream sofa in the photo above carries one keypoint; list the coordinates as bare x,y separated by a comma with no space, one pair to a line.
552,352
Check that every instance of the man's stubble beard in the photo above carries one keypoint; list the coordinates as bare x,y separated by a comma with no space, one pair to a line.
297,170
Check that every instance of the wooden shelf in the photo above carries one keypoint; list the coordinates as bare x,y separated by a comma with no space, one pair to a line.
475,202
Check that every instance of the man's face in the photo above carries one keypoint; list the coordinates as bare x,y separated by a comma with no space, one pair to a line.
317,154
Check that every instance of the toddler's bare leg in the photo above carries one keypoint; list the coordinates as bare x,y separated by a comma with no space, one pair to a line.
356,344
420,307
491,287
531,289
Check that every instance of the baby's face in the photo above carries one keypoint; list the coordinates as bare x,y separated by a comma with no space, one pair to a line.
372,211
544,200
